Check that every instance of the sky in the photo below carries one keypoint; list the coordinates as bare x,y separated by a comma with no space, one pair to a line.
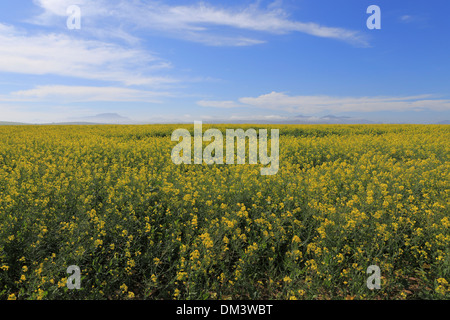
185,61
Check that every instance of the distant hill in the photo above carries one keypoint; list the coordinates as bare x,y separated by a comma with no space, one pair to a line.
114,118
103,118
69,123
332,119
300,119
8,123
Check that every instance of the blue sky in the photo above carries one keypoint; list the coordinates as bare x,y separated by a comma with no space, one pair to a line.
177,61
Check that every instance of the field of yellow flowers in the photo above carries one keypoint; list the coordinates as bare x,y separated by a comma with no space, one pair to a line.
109,200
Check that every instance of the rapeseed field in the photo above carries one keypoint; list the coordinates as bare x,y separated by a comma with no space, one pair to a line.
110,200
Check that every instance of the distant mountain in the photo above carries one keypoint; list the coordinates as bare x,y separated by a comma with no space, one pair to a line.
332,119
8,123
103,118
299,119
114,118
74,123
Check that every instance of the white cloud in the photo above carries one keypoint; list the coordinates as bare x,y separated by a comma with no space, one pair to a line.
55,9
63,55
219,104
196,22
92,12
198,17
406,18
84,94
40,114
314,104
419,20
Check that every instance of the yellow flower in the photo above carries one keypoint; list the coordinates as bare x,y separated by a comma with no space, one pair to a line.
41,294
131,263
62,283
226,240
195,255
445,222
443,286
12,296
181,275
207,241
124,288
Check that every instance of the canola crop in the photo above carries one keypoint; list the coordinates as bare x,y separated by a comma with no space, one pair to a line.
109,200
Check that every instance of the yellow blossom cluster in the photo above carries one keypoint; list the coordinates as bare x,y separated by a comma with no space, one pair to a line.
109,200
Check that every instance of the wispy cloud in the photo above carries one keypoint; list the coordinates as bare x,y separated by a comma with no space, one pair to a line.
406,18
72,94
314,104
198,22
416,19
36,113
219,104
63,55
